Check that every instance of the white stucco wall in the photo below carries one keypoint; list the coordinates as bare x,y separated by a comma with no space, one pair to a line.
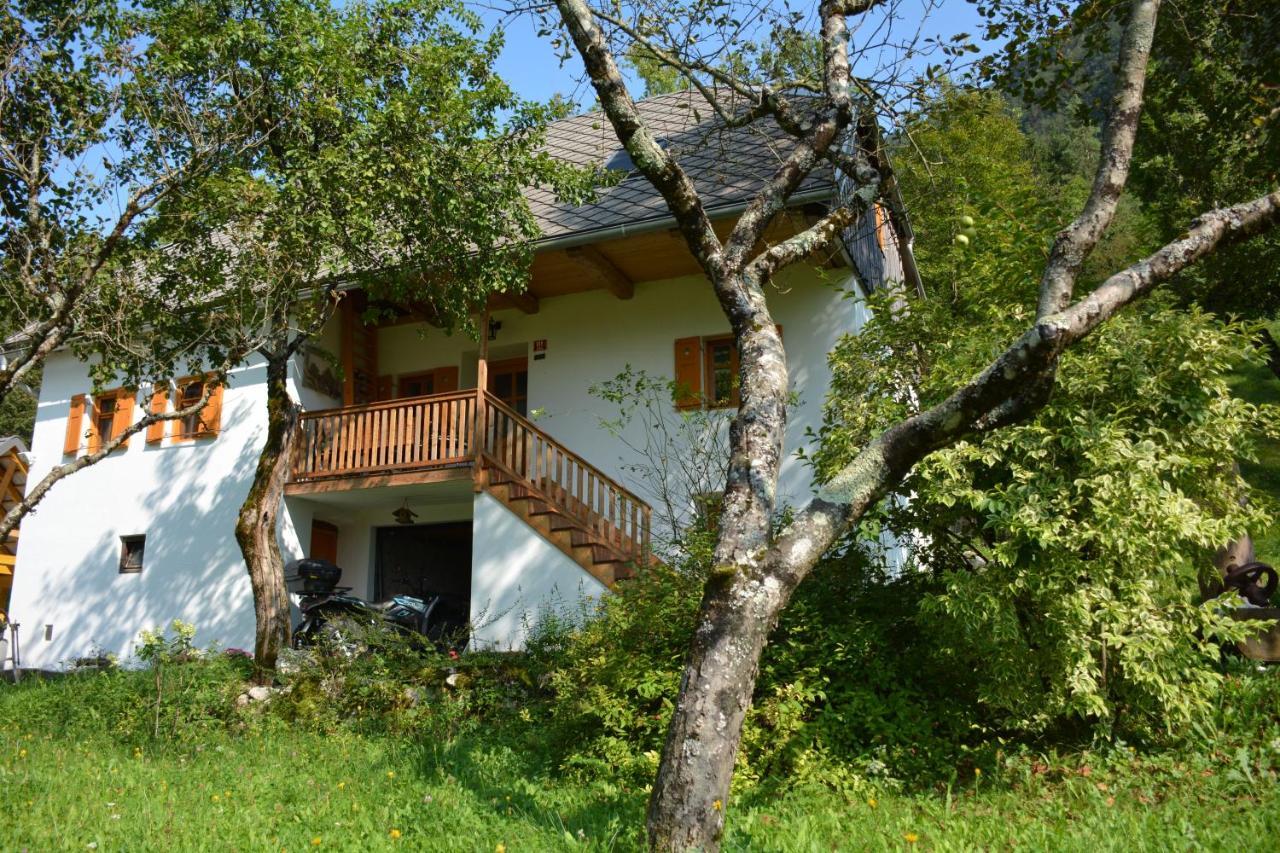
183,497
518,578
591,337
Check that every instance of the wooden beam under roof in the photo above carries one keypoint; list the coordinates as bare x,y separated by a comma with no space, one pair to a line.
617,282
526,302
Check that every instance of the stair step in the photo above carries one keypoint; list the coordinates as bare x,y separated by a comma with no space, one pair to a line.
499,477
564,522
602,554
623,571
541,507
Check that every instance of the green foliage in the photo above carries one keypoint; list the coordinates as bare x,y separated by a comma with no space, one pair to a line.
1069,547
614,681
390,156
18,412
374,680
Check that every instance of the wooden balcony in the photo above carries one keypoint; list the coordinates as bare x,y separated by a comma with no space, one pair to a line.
464,434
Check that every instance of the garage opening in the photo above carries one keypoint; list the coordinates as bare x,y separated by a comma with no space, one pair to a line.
426,560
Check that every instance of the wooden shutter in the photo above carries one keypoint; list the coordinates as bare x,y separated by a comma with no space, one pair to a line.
211,415
159,402
881,219
75,425
124,414
445,379
688,373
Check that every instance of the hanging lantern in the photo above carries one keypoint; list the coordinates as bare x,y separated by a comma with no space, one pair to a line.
404,515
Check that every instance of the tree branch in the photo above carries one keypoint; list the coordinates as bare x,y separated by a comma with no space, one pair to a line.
1074,244
649,157
1000,393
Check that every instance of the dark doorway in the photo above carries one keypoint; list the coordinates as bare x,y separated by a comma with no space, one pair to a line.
509,382
426,560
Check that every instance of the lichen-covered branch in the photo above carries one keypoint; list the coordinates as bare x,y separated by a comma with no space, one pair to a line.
1074,243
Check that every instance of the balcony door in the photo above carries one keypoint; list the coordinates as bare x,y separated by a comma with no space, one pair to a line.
435,381
509,382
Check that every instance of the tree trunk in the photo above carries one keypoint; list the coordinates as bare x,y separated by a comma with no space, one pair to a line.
259,515
691,792
1267,342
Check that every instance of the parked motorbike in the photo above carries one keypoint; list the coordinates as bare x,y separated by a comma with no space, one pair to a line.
328,609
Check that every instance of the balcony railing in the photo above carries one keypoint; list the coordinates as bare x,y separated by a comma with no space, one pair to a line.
399,435
470,429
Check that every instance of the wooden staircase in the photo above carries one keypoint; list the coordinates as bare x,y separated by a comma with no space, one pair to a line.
592,519
570,535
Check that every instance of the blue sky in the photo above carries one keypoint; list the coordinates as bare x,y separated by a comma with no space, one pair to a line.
530,65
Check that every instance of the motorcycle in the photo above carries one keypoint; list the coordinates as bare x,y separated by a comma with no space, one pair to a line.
328,610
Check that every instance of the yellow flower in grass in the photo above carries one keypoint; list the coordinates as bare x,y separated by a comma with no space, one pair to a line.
22,753
501,848
910,837
871,801
341,785
395,833
391,774
315,842
216,798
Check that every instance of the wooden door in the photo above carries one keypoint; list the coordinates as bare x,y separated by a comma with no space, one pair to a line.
509,382
324,541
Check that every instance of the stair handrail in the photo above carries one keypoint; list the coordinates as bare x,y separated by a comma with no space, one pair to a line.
491,401
443,396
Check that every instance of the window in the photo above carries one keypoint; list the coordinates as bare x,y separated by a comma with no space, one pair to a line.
721,372
131,550
188,395
205,423
110,416
706,372
104,417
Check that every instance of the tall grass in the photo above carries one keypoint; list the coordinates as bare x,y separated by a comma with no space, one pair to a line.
81,771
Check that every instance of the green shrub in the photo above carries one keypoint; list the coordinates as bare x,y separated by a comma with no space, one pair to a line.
378,680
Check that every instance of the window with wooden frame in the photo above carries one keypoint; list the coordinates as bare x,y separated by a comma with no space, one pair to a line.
132,549
706,372
720,372
207,422
109,414
437,380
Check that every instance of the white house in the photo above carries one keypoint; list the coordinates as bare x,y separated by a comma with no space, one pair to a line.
515,515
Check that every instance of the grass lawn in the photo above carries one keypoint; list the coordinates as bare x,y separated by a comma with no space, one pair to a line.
262,785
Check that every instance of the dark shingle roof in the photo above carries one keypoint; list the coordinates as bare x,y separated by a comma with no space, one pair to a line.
727,165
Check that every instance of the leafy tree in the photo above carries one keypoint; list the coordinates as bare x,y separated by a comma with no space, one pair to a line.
393,159
94,136
98,133
1071,546
757,565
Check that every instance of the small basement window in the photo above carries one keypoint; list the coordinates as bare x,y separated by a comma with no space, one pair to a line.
131,550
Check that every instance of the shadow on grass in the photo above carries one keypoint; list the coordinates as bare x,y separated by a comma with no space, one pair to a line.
514,774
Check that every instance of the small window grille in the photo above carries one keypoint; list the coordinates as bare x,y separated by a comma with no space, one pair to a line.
131,551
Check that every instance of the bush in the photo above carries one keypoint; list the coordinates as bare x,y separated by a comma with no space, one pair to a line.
375,679
849,692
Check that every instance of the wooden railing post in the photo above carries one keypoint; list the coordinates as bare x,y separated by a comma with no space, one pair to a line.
478,440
